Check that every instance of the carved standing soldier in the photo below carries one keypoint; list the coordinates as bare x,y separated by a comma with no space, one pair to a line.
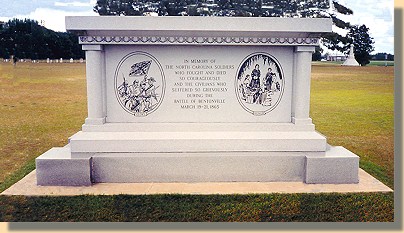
269,78
255,85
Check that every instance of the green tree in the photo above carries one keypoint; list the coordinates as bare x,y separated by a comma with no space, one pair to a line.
255,8
363,43
316,56
27,39
332,40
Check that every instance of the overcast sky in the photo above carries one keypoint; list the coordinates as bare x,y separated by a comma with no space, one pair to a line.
375,14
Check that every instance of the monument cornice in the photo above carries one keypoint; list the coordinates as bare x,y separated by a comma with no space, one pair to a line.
197,40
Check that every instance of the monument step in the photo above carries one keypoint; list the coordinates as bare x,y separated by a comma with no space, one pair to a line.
101,142
338,166
57,167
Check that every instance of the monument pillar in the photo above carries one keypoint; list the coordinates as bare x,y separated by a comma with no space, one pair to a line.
94,76
301,85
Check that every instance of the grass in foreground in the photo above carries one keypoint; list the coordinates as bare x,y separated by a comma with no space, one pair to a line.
42,105
193,208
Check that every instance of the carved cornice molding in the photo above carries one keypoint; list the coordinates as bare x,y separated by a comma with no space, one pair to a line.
211,40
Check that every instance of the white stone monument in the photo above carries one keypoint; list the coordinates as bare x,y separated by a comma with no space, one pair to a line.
71,60
351,61
197,99
47,60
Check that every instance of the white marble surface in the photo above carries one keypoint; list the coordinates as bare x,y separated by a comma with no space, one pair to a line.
211,141
197,24
228,108
198,167
147,71
339,165
56,167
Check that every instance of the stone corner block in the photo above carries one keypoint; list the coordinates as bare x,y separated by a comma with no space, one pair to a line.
56,168
336,166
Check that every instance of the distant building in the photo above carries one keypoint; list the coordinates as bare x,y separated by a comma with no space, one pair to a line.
150,14
336,57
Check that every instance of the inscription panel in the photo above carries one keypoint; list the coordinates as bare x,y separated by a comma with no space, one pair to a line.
198,84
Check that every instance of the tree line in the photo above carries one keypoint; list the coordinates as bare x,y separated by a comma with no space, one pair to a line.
28,40
382,57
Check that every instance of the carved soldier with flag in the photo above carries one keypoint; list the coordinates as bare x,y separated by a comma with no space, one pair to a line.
139,83
139,97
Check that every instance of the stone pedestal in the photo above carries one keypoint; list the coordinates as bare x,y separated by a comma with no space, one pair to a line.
197,99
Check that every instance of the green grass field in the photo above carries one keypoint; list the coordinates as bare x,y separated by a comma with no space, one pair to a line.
381,63
354,108
43,104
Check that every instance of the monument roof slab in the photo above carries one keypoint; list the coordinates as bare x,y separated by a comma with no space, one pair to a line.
99,25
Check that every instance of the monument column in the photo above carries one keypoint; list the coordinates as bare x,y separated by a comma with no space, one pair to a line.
94,77
301,85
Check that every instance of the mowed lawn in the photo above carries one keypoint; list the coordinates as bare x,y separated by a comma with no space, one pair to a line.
41,105
354,108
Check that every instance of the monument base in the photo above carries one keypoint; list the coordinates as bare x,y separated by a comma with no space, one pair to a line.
335,165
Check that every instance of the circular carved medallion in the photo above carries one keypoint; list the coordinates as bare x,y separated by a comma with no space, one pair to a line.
259,83
139,83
